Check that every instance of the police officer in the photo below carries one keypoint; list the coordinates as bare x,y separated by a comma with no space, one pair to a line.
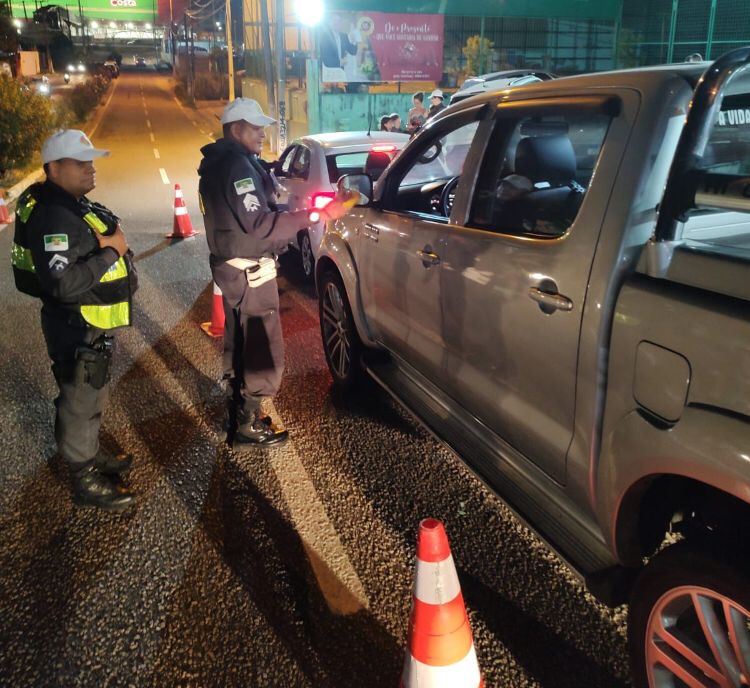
72,254
244,229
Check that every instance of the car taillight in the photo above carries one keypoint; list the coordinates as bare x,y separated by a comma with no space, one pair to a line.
322,198
383,148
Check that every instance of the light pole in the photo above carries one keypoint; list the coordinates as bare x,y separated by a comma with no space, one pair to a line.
310,13
230,50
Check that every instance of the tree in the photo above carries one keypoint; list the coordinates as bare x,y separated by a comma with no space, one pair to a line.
26,120
476,51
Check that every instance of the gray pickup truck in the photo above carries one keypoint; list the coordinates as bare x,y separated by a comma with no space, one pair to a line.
555,280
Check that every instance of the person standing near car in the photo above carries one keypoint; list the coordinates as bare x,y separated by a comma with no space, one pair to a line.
418,113
436,103
72,254
244,230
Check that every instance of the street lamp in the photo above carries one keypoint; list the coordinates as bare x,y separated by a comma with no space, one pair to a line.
309,12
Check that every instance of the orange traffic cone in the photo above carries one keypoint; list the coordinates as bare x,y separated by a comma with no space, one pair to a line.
5,218
182,227
215,328
441,650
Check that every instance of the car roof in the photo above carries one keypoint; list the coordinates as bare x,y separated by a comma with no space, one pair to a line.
353,139
649,79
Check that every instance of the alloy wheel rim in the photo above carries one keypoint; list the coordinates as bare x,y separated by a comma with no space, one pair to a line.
307,256
335,335
698,637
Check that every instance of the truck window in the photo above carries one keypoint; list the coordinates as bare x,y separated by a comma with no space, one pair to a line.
536,172
727,152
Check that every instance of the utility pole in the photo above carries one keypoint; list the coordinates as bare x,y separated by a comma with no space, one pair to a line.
280,47
266,37
230,49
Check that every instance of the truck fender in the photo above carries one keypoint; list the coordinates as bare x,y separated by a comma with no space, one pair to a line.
708,446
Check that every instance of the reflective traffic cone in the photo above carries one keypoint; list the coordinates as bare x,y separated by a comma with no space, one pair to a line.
441,650
5,218
182,227
215,328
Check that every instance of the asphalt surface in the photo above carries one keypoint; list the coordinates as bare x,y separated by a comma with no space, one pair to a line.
287,568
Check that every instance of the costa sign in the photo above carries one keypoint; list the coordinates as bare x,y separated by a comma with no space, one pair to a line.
122,3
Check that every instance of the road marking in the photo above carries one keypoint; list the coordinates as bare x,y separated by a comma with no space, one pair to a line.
195,124
146,111
338,581
163,174
148,123
151,134
156,153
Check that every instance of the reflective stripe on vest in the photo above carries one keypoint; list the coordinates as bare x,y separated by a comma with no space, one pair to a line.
23,211
21,259
116,271
107,317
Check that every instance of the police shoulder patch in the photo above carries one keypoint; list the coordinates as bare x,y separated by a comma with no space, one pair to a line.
243,186
56,242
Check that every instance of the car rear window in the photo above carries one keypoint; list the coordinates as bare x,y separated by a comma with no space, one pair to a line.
345,163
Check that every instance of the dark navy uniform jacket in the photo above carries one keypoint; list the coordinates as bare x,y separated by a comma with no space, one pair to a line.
242,221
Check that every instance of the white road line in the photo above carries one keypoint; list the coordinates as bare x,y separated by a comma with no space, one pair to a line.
146,111
156,153
195,124
148,123
338,581
151,134
163,174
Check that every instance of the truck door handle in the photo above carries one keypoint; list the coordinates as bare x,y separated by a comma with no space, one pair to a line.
550,302
428,258
370,231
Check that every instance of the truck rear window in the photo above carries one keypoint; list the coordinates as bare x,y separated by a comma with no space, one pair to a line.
727,152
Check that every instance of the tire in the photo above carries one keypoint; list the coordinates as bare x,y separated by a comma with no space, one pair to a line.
688,597
306,254
341,343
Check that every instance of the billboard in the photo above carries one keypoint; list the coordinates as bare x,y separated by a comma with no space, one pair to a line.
101,10
379,46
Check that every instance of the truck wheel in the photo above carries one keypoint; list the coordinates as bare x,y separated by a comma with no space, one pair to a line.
689,619
308,259
341,343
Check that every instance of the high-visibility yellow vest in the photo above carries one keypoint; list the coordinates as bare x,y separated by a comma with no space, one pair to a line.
107,305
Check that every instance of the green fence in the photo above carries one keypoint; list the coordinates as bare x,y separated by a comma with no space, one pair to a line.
659,31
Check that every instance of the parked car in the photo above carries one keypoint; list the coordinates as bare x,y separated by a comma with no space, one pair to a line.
112,67
497,80
556,281
310,167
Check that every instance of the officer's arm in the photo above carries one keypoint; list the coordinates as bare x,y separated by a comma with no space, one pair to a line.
246,196
64,273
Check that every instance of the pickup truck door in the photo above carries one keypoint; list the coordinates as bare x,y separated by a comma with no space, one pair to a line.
517,267
402,245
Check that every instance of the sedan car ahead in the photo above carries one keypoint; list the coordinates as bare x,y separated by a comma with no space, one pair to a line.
310,167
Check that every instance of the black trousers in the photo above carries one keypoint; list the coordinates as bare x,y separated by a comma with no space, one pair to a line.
79,406
253,355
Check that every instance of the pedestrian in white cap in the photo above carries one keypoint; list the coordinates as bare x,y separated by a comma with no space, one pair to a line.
72,254
245,229
436,103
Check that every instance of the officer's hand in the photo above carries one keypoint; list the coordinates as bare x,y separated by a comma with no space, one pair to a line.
116,240
340,206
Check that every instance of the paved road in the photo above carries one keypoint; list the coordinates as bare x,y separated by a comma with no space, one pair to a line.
286,568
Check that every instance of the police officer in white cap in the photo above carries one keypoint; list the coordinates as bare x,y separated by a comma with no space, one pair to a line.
72,254
245,229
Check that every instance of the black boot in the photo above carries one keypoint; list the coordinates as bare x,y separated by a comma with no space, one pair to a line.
112,465
254,430
93,488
